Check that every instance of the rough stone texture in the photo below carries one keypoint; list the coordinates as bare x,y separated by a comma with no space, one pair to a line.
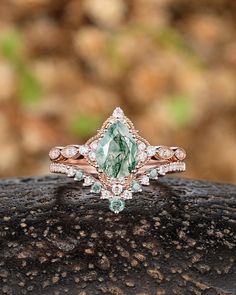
176,237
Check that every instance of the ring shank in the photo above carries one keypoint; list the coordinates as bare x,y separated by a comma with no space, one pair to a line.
82,164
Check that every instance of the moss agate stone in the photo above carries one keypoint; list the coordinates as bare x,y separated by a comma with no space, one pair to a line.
116,153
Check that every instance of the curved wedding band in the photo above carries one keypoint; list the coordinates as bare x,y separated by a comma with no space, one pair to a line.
116,162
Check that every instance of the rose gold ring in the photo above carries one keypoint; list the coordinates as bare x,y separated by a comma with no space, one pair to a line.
117,161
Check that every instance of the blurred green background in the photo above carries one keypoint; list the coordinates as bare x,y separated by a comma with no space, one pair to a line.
170,64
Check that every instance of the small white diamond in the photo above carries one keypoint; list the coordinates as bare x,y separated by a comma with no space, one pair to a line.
180,154
173,167
62,168
166,168
141,146
69,151
117,189
52,168
59,168
121,180
88,180
92,156
118,113
162,170
142,156
70,172
165,152
83,150
144,180
54,153
94,145
151,150
127,194
106,194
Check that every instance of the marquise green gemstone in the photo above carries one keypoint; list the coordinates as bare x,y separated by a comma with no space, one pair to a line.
116,205
116,153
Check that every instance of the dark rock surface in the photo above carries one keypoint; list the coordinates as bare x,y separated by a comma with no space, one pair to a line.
176,237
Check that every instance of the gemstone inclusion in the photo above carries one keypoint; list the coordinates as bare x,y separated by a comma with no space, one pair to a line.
116,153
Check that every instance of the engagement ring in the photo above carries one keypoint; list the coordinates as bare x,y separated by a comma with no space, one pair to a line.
117,161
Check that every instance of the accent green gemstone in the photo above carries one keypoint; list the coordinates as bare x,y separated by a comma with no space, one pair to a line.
79,175
153,173
116,153
96,187
116,205
136,187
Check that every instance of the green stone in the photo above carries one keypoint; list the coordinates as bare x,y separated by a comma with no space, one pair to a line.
136,187
153,173
116,153
96,187
79,175
116,205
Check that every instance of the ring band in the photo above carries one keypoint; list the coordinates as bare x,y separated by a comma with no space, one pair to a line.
117,161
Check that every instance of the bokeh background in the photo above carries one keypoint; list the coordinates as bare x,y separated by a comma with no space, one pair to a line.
170,64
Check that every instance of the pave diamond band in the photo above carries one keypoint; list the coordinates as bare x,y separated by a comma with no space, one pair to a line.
163,169
117,161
